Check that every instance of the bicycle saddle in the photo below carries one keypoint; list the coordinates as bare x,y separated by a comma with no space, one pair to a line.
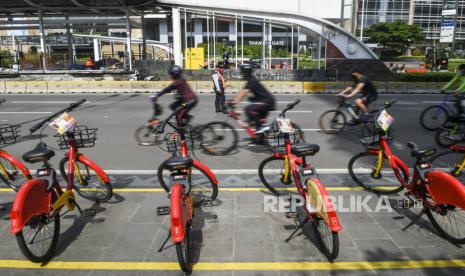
304,149
177,163
39,154
421,152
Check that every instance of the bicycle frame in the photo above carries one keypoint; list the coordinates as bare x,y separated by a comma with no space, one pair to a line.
5,155
248,129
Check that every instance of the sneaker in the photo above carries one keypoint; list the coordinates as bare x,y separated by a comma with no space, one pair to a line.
154,122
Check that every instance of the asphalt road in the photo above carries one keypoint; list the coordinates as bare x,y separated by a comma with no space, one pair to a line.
118,115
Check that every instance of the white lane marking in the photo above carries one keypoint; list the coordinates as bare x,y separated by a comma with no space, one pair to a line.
304,129
26,112
435,102
294,111
221,172
280,102
44,102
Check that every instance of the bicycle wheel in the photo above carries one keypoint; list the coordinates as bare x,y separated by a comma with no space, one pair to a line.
202,186
450,161
273,174
362,170
219,138
327,240
449,135
39,237
332,121
183,251
434,117
146,136
11,175
87,182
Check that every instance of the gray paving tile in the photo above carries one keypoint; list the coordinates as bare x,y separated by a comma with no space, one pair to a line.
380,250
250,224
365,231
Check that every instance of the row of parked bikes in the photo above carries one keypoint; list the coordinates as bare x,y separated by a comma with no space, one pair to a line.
433,181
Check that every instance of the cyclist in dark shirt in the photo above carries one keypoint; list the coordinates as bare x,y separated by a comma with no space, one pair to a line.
362,85
262,102
184,96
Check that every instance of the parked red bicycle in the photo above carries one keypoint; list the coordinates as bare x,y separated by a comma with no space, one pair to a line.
288,164
12,172
36,211
378,170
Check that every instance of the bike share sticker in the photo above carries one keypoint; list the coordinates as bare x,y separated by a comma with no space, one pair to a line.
285,125
385,120
63,123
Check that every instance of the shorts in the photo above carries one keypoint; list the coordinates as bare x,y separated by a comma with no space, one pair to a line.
367,99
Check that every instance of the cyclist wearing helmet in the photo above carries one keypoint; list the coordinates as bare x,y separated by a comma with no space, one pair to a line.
367,89
184,95
262,102
460,78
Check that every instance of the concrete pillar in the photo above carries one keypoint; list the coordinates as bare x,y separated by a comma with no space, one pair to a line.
69,38
96,43
177,42
163,27
42,39
198,31
144,42
128,40
232,31
411,12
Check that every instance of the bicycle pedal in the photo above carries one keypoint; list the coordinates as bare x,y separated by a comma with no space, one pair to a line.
291,215
163,211
206,203
406,203
89,212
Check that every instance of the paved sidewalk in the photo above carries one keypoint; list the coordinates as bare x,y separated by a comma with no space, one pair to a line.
234,231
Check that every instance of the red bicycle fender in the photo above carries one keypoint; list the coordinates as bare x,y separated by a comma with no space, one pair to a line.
178,219
457,147
446,189
334,223
16,162
101,173
401,164
372,151
205,169
32,199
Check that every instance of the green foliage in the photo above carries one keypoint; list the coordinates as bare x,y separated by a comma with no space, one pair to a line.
417,52
427,77
396,35
32,50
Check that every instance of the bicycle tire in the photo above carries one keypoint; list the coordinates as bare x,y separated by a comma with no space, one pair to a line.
23,244
445,209
211,135
146,136
15,177
183,251
194,190
434,109
277,177
331,252
367,170
448,161
89,173
443,136
333,114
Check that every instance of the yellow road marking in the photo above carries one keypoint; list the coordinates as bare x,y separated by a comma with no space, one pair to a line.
269,266
257,189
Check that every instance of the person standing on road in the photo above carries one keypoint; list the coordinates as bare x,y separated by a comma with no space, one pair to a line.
184,96
218,87
262,102
368,93
459,78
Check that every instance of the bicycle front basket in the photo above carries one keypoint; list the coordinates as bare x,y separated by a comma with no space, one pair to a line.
9,134
370,134
85,137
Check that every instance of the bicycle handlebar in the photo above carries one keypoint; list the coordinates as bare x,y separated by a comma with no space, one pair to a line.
51,117
389,104
289,107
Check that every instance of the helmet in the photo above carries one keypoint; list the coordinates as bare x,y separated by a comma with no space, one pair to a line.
175,71
246,71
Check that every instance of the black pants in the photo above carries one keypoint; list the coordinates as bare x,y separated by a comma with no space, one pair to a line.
220,100
183,116
257,112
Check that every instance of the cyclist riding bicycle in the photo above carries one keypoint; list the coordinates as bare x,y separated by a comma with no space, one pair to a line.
367,89
184,96
262,102
460,78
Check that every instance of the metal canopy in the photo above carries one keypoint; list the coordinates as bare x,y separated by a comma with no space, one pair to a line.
13,8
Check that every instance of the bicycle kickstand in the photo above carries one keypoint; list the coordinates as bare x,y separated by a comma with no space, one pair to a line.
299,226
415,219
165,242
86,212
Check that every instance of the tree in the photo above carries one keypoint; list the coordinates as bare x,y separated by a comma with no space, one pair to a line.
397,35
